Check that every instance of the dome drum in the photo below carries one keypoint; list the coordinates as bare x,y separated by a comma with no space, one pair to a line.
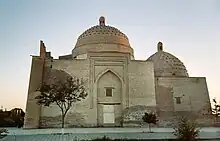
101,48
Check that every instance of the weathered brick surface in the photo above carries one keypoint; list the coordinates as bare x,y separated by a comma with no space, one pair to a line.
32,109
131,78
71,120
141,83
115,66
192,91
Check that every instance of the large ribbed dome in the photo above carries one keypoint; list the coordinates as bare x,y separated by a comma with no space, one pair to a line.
102,34
166,64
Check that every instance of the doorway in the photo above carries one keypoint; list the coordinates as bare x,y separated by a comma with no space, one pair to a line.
108,114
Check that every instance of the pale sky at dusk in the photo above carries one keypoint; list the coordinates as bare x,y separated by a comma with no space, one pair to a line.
189,29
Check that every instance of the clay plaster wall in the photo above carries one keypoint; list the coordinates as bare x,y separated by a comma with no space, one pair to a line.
80,114
193,92
141,83
195,102
32,109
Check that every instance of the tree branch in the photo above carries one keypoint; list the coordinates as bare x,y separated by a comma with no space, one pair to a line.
58,104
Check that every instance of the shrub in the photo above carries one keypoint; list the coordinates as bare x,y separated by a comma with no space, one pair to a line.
185,130
3,132
150,118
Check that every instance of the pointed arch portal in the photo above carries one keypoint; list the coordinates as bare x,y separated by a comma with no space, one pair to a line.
109,98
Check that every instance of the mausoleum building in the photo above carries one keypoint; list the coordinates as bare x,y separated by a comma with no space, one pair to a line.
120,88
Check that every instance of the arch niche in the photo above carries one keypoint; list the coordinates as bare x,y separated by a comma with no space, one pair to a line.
109,99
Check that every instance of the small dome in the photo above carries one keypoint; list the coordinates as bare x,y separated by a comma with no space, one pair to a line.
102,34
166,64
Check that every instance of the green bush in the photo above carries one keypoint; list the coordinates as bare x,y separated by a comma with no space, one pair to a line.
186,130
3,132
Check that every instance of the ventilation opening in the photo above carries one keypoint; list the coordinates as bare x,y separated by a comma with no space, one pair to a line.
178,100
109,92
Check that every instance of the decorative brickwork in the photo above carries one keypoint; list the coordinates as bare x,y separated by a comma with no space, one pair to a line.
102,34
135,113
165,64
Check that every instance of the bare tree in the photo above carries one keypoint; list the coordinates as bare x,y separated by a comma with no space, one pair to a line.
63,94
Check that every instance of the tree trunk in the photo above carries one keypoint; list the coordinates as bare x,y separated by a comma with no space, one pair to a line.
149,127
63,116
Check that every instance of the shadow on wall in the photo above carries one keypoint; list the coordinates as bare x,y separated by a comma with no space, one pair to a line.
71,120
53,76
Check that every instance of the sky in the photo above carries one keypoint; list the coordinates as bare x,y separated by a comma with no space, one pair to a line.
189,29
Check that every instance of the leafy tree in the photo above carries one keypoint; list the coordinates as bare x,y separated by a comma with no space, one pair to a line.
150,118
19,122
216,110
63,94
3,132
17,115
185,130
